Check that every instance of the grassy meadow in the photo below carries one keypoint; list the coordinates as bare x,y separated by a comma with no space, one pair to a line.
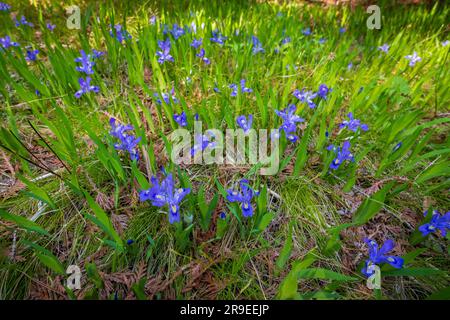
87,178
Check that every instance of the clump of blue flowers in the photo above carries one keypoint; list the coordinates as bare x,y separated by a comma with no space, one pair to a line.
120,33
196,43
290,120
166,97
31,55
245,124
379,255
23,22
176,31
353,124
4,6
439,222
87,64
306,31
201,142
164,54
244,197
201,55
286,40
323,91
257,46
164,193
6,42
244,88
306,97
217,37
86,87
127,141
342,154
181,119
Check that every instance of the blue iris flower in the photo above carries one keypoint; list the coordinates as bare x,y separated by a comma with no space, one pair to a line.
177,31
201,142
290,120
245,124
384,48
180,119
257,46
119,130
127,141
378,256
342,154
413,59
164,193
244,197
306,31
164,53
120,33
244,89
97,54
217,37
166,97
50,26
4,6
87,63
437,222
201,55
6,42
353,124
323,91
23,21
196,43
306,96
32,55
285,40
234,89
85,87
